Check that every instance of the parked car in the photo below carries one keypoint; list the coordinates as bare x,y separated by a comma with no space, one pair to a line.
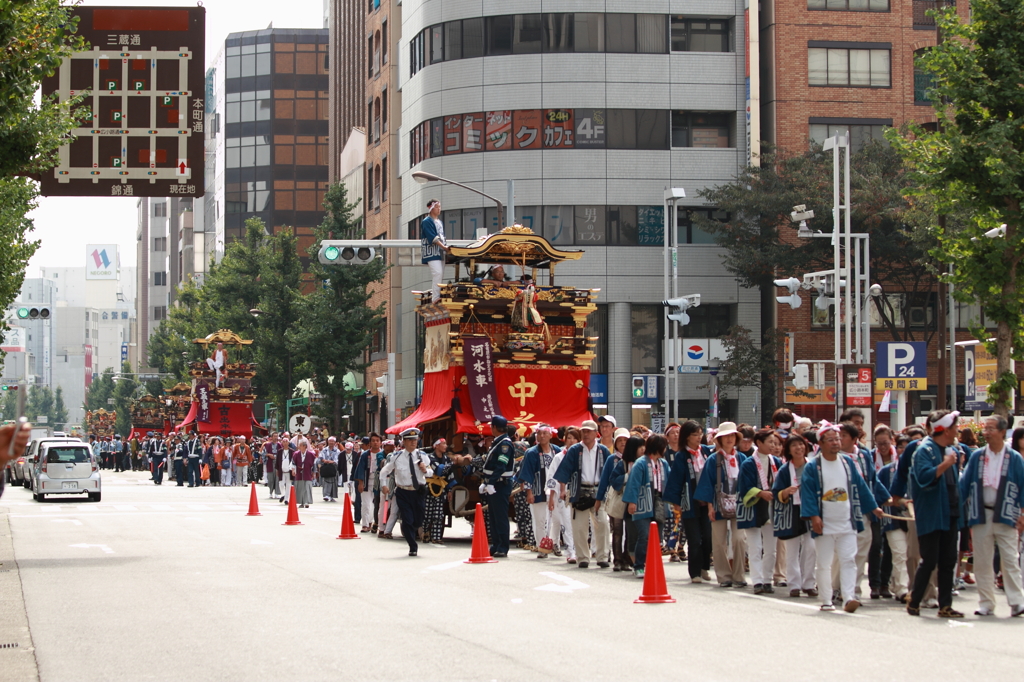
65,468
33,454
16,472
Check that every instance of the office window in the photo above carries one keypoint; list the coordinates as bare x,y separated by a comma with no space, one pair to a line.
845,67
588,32
379,344
160,209
620,32
652,33
700,35
159,313
384,42
558,32
453,40
651,129
159,279
527,34
384,110
647,325
597,325
850,5
384,179
472,38
687,230
621,128
499,35
861,134
436,43
369,56
159,243
702,129
709,321
622,226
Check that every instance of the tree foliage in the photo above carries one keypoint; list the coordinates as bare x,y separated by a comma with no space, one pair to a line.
124,394
337,322
761,238
973,164
749,364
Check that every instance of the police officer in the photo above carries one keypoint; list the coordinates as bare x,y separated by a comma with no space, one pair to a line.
411,468
193,453
158,456
117,447
497,485
178,454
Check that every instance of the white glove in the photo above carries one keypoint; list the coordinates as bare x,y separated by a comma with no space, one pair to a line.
483,488
491,490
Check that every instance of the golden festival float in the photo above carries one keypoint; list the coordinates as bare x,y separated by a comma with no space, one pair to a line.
148,415
219,400
100,422
515,348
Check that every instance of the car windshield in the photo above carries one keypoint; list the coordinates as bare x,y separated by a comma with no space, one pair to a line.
68,455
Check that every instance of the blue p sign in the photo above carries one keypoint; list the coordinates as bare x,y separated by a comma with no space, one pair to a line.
901,360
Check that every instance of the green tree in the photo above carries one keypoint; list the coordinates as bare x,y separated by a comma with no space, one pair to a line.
100,390
34,36
761,239
279,298
974,163
60,410
749,364
191,318
39,404
10,405
338,323
124,395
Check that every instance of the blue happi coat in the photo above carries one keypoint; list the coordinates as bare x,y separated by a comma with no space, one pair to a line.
708,484
885,477
901,479
612,476
571,468
1008,495
931,499
750,486
811,491
638,488
533,470
682,482
785,516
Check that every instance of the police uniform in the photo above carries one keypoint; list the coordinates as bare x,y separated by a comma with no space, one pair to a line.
157,449
497,487
410,486
179,461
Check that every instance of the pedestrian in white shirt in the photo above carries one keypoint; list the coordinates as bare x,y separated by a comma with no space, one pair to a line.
411,467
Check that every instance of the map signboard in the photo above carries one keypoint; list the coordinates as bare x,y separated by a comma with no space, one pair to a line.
144,80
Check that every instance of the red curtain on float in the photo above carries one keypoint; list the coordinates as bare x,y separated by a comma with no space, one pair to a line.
141,433
226,420
526,395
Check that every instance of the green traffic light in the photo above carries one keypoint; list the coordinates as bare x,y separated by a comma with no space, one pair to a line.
23,313
332,253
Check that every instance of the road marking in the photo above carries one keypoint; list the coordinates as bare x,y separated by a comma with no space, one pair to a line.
74,521
812,607
444,567
568,584
198,507
193,518
261,542
161,507
125,507
958,624
106,550
517,601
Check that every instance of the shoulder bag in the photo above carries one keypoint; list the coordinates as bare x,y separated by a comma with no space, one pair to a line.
725,503
613,503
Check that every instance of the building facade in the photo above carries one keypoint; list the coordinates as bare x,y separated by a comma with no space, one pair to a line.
593,110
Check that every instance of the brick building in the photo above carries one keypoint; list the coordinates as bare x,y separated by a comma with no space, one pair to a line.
828,66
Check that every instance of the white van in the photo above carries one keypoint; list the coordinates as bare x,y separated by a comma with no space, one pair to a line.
65,468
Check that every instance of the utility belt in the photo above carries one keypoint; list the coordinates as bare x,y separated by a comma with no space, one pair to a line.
407,487
586,498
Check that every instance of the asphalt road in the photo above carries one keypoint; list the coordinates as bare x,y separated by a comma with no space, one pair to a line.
168,583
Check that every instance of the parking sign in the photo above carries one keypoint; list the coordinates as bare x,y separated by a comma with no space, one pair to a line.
901,366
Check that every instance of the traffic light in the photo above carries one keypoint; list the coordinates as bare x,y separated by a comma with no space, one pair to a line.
33,313
11,387
677,307
793,285
331,254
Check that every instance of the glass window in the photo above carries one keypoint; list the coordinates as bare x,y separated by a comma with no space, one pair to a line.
590,225
263,155
232,157
622,230
384,41
860,135
597,325
263,110
844,67
851,5
701,129
499,35
647,332
588,32
453,40
248,111
529,216
651,129
436,44
263,64
248,157
248,65
558,224
621,128
472,38
453,224
651,33
233,67
710,321
620,33
528,34
558,32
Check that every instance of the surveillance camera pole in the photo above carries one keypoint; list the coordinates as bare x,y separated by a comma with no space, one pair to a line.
673,340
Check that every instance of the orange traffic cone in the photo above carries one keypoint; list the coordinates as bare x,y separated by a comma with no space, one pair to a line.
293,511
481,553
348,529
655,589
254,506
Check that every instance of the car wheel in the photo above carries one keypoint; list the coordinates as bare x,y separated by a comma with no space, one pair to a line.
95,497
38,497
25,483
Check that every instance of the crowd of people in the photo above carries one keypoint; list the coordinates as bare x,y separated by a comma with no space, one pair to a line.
809,508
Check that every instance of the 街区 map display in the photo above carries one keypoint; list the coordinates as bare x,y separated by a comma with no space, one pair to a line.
144,82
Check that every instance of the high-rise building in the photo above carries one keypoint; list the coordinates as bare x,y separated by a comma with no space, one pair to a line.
593,113
268,133
346,21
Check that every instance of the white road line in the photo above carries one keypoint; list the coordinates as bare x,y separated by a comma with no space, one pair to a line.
106,550
74,521
198,507
568,584
161,507
125,507
444,567
798,605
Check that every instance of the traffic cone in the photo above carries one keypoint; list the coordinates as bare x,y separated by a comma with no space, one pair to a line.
655,590
254,506
293,511
481,553
348,529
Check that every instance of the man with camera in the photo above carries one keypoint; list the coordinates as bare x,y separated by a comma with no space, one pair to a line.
580,471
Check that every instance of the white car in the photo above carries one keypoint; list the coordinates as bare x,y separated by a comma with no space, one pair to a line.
65,468
32,455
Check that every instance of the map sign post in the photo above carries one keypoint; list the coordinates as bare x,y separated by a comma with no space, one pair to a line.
144,84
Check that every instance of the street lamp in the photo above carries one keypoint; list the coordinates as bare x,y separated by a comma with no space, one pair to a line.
423,178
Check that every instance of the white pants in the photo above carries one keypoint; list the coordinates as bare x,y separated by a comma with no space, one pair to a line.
985,537
436,277
800,558
863,547
367,514
581,522
241,473
561,519
539,513
225,476
392,514
897,540
286,485
829,547
761,550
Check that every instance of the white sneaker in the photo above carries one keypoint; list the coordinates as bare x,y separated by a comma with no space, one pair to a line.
696,580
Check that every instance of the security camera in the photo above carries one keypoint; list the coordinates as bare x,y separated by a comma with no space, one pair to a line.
801,214
677,307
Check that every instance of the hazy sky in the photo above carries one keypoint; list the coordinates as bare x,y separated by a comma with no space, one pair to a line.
66,224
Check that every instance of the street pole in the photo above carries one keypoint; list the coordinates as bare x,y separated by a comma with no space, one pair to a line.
713,409
673,344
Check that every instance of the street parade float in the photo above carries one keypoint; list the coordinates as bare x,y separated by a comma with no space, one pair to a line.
219,401
148,415
517,348
100,422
